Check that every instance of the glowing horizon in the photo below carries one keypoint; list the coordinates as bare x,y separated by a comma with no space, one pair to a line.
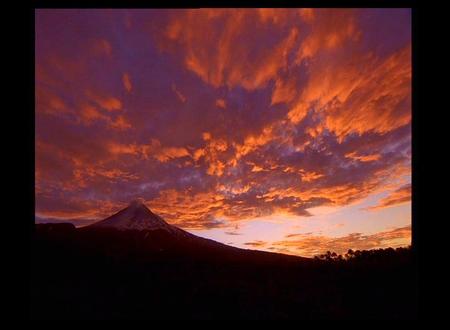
286,130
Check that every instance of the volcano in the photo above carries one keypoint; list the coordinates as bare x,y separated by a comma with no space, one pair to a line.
138,231
137,216
137,228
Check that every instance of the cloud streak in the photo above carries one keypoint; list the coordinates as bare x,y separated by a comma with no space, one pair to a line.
310,245
400,196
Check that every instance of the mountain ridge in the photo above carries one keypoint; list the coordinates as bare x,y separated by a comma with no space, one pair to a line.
137,228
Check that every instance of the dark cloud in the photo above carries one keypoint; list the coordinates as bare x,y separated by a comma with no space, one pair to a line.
232,233
256,243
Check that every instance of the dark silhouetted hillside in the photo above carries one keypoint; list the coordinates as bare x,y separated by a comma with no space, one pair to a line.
105,273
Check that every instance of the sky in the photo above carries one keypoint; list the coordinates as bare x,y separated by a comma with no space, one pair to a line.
285,130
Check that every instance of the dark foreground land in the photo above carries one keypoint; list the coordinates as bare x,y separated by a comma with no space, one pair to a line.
109,274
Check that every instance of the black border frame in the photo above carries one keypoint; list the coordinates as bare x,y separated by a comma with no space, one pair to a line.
28,103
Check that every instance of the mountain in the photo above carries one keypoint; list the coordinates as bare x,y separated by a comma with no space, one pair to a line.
137,216
137,230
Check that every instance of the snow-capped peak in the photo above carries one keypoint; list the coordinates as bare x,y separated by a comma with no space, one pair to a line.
136,216
137,202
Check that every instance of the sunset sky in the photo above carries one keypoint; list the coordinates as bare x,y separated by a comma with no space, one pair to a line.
286,130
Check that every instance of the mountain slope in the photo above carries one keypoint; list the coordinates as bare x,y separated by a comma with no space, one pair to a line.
134,265
107,273
136,230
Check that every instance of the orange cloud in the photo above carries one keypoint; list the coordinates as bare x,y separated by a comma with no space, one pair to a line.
127,82
120,123
284,91
110,103
252,142
336,195
50,103
274,16
330,30
188,210
180,96
166,154
308,245
153,149
221,57
199,153
206,136
216,168
220,103
256,243
84,173
257,168
124,149
351,101
212,154
400,196
90,114
363,158
307,14
380,102
310,176
101,47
